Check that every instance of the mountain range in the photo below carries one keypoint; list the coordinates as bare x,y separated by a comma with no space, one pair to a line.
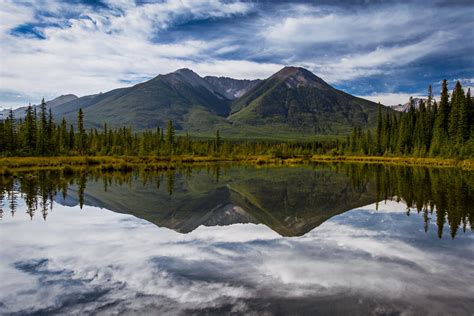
406,106
292,103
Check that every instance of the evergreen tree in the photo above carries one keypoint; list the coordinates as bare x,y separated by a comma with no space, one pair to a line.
30,131
42,129
470,109
10,132
440,131
379,148
217,141
457,102
462,130
170,136
81,136
63,137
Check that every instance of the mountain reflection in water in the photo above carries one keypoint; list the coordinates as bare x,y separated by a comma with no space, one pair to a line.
291,201
226,252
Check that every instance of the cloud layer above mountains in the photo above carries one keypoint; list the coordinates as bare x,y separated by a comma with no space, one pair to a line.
375,49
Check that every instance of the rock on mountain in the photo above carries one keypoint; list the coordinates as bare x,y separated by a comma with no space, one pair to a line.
405,107
229,87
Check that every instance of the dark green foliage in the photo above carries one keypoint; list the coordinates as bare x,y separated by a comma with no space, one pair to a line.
18,138
81,135
430,130
30,131
170,135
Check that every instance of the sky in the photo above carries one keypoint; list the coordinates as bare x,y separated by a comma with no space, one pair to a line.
385,51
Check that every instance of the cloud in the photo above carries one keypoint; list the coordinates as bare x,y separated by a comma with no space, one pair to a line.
96,51
342,45
391,98
309,25
50,48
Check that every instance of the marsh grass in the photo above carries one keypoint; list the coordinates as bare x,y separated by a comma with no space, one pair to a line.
9,165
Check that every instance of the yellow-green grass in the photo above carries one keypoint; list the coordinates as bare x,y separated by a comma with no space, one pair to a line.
467,164
125,163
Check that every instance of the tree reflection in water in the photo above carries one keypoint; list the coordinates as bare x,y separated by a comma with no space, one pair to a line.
269,195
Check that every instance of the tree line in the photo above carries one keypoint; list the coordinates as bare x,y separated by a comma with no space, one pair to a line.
433,129
38,134
444,197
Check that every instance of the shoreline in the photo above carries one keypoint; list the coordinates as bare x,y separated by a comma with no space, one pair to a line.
125,163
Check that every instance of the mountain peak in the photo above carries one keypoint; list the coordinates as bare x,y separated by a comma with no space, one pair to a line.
291,70
297,76
185,71
186,75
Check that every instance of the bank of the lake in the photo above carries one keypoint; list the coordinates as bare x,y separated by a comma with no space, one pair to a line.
124,163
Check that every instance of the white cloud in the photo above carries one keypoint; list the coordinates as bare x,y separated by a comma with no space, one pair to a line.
97,51
89,50
377,61
309,26
391,98
343,45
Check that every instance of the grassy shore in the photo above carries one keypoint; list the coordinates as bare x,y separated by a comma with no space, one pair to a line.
125,163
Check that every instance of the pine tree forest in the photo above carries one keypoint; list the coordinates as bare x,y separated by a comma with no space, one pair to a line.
434,129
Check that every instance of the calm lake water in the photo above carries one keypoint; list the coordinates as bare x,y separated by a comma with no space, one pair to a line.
328,239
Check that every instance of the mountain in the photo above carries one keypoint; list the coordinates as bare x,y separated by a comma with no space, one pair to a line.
291,104
297,99
229,87
54,103
406,107
177,96
51,104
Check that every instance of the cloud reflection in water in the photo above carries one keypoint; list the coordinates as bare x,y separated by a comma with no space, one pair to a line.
364,261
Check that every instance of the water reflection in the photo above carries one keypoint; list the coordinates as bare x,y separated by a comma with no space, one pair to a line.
376,259
291,201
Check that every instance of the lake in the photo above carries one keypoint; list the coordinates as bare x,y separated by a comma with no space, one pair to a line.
330,239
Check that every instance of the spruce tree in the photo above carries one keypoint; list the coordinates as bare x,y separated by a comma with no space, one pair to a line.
10,131
429,100
217,141
463,130
81,134
441,121
457,102
379,148
63,136
470,108
443,110
170,136
42,129
30,130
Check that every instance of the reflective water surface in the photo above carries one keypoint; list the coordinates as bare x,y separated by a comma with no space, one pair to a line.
323,239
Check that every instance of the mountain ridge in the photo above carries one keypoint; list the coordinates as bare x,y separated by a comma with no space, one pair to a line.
296,97
292,102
